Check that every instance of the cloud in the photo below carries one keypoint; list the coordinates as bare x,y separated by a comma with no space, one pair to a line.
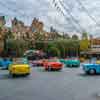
26,10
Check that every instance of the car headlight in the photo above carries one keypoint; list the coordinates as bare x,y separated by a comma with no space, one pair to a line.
28,68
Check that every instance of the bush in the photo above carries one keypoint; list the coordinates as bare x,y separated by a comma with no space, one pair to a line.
19,46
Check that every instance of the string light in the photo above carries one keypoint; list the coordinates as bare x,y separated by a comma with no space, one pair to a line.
70,14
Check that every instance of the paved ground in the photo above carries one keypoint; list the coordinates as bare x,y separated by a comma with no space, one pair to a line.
69,84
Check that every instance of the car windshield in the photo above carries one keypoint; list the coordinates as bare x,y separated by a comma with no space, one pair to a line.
73,58
20,61
53,60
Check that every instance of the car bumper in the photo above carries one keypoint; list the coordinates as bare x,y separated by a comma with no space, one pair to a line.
72,65
53,68
17,72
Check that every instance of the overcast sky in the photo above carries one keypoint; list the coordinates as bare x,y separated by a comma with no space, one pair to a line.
45,10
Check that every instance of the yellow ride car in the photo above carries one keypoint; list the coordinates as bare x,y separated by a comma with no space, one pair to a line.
98,62
82,59
19,68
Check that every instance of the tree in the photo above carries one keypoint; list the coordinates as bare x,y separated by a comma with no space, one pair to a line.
66,36
54,51
7,35
75,37
84,44
19,46
60,45
84,35
71,47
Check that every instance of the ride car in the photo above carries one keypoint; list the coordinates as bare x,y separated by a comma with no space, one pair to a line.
91,68
37,63
52,65
62,60
19,67
82,59
34,54
5,62
71,62
98,61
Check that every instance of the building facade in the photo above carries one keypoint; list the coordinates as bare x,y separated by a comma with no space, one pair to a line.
36,26
94,49
95,46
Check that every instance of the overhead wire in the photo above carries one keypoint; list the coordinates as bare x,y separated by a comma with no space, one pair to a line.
23,15
71,16
87,12
67,19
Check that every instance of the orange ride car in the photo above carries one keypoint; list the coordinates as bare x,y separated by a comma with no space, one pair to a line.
53,65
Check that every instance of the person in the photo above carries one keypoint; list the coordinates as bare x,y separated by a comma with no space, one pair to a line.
98,58
90,59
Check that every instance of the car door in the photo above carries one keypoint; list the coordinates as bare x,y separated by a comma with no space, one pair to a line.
1,63
97,68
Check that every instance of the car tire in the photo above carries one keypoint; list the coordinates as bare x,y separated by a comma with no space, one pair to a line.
67,65
27,74
10,75
49,68
77,66
92,71
87,72
46,69
59,69
13,75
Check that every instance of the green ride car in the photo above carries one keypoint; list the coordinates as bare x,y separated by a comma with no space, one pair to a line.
71,62
62,60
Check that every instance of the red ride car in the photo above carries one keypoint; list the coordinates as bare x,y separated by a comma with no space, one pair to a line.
53,65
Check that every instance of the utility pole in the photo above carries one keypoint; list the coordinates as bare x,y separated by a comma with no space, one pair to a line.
63,35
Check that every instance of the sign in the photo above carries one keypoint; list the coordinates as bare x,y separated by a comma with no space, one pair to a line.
95,46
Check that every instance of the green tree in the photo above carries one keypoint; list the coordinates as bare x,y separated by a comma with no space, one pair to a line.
84,35
54,51
7,35
75,37
84,44
17,45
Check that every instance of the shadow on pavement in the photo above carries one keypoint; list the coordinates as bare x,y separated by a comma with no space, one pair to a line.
43,70
7,76
87,75
96,95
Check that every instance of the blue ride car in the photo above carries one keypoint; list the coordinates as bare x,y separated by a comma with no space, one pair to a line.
91,68
4,63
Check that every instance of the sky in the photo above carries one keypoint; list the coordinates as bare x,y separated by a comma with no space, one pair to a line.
87,19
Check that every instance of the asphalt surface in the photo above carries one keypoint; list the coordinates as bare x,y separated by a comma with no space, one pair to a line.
68,84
